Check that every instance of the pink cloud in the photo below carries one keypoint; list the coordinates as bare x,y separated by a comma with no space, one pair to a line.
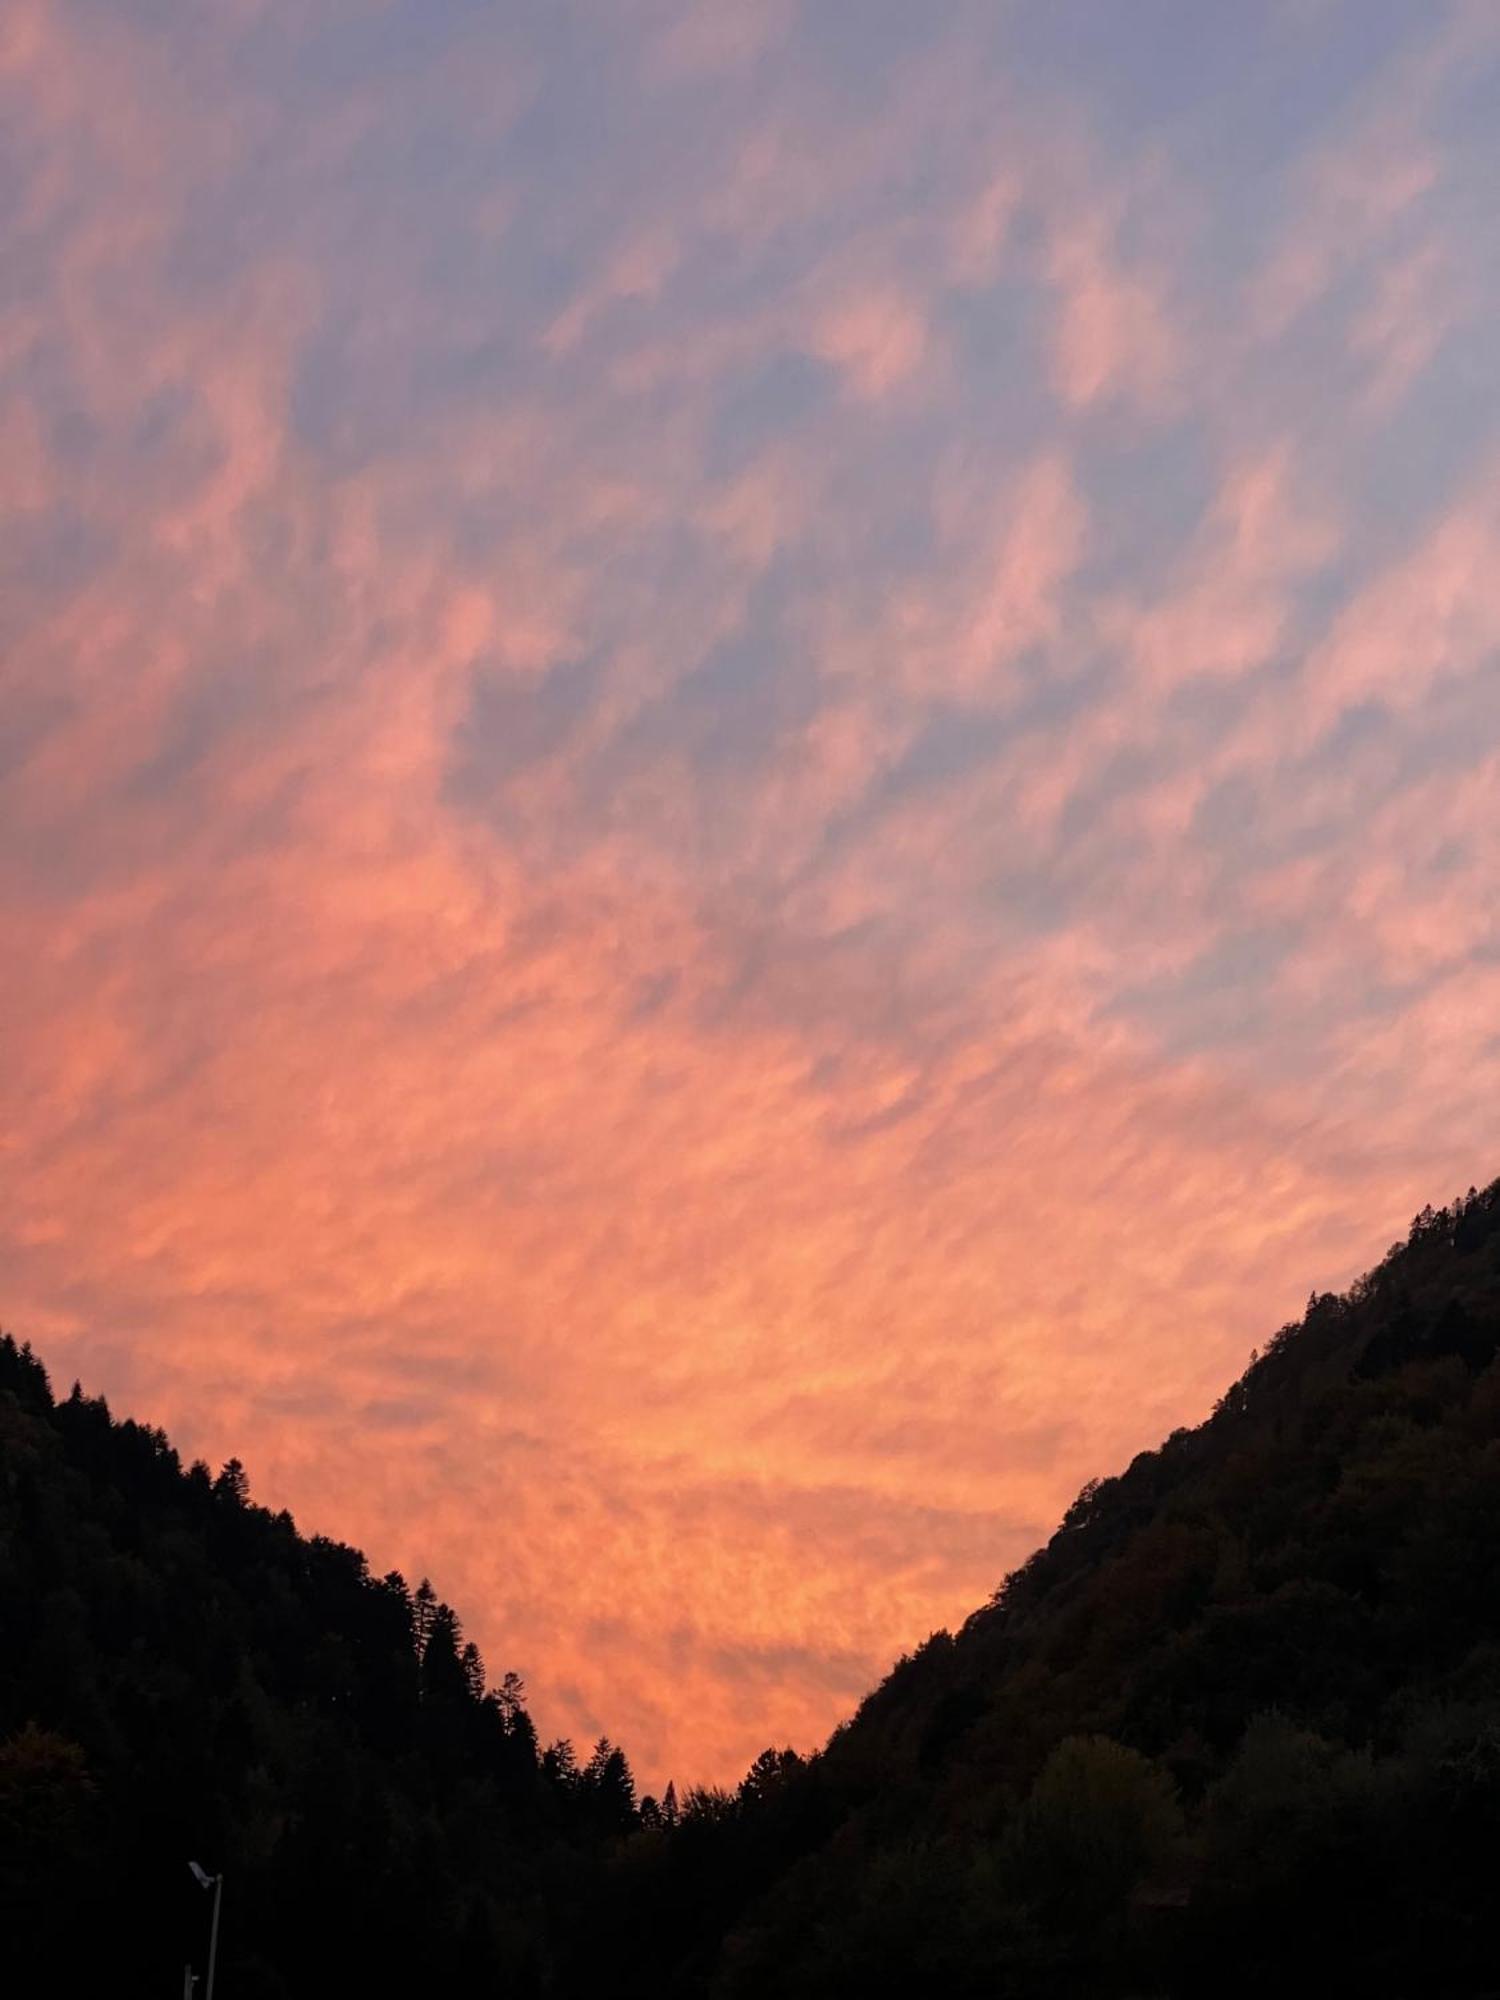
1354,200
720,38
1114,337
877,340
1415,302
1009,595
700,1177
636,271
1364,188
1226,612
1432,614
980,230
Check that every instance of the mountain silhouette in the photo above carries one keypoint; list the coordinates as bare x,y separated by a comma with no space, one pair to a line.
1238,1723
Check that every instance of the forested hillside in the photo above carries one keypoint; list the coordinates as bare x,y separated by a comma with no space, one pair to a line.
1238,1724
183,1676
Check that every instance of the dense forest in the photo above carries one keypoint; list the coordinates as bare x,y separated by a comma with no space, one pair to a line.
1237,1723
184,1676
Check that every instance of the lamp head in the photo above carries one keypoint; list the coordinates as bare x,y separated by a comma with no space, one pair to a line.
201,1876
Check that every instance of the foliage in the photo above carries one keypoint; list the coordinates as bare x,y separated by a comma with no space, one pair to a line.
184,1676
1237,1723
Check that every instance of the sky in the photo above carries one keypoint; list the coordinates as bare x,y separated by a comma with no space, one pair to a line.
749,760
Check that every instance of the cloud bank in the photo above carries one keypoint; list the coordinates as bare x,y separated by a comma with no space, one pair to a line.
748,771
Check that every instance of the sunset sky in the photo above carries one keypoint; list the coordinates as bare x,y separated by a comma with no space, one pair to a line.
749,769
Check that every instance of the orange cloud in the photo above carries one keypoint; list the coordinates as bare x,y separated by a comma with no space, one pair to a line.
689,932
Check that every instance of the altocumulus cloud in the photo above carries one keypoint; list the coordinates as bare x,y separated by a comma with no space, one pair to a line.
748,771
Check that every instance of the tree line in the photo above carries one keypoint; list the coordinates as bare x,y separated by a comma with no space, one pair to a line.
1237,1723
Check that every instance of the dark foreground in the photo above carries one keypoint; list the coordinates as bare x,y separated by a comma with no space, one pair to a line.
1237,1726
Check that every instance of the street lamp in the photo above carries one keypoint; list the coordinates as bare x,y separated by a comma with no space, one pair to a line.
215,1882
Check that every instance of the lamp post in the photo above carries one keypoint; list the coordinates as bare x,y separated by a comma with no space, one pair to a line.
215,1882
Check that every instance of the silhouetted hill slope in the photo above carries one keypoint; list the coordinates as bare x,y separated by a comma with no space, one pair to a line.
1237,1723
183,1676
